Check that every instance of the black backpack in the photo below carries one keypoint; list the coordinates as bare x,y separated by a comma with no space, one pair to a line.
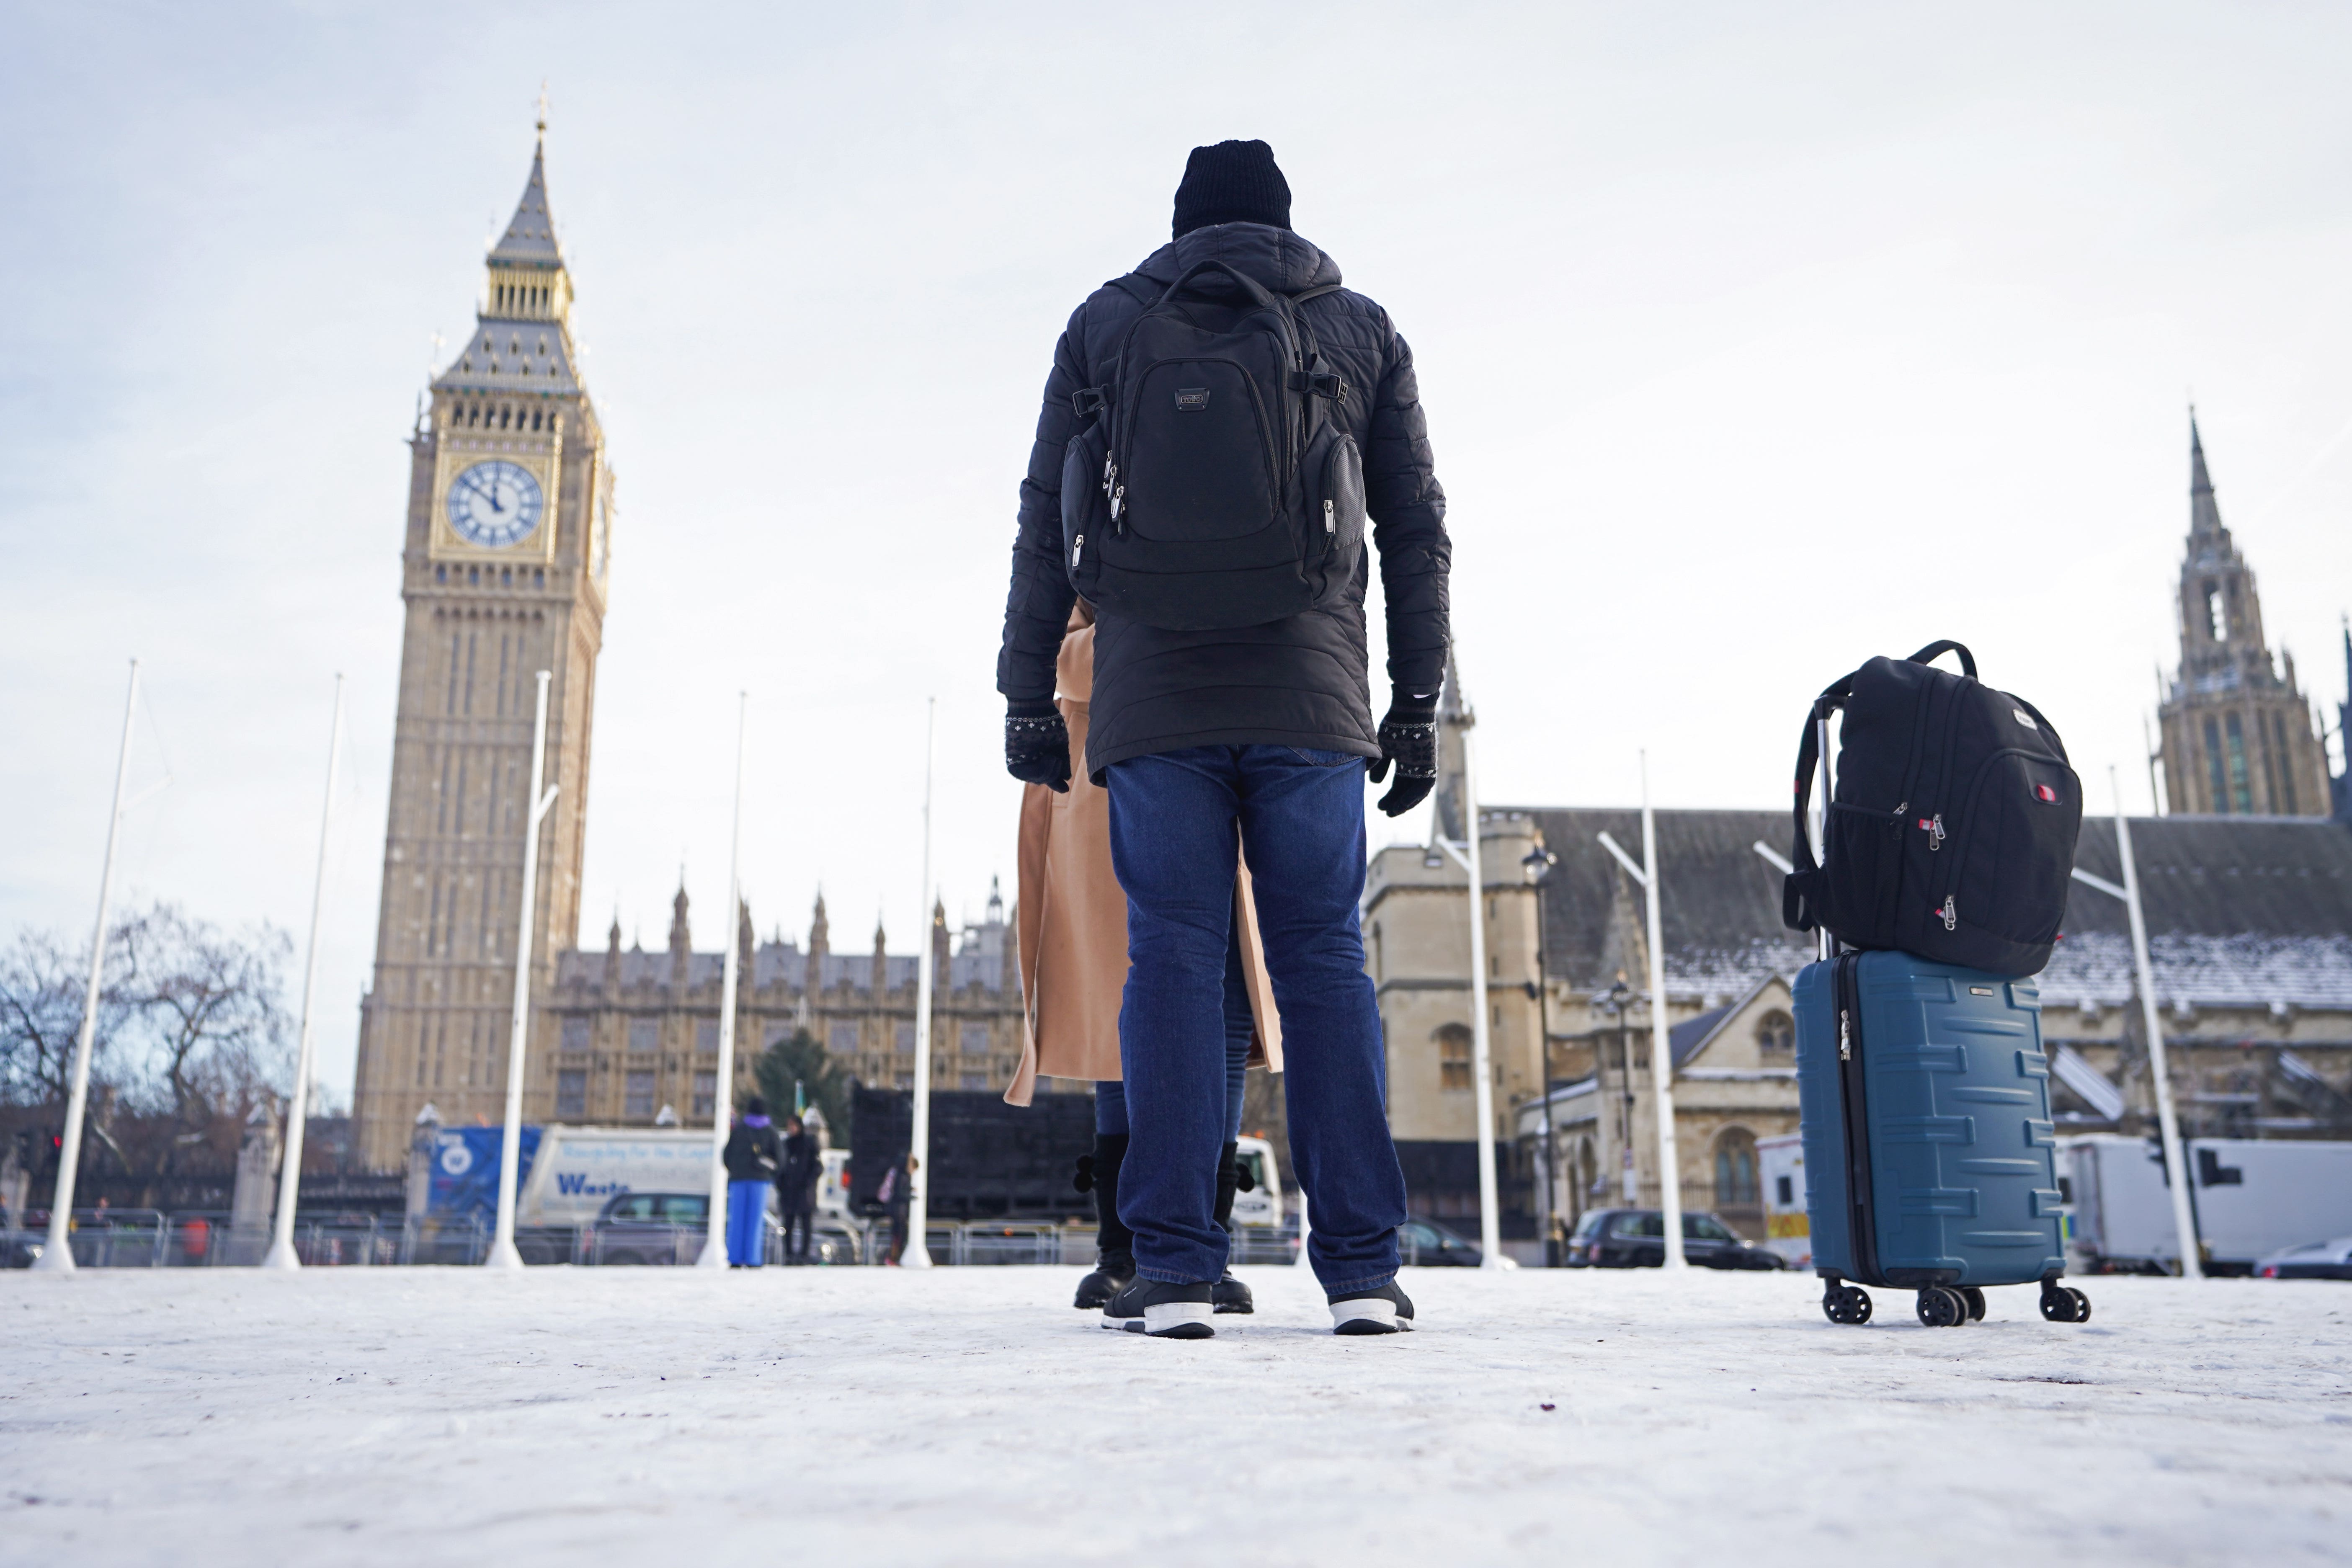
1951,832
1213,486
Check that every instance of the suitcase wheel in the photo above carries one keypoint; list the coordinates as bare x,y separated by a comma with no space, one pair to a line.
2064,1304
1846,1304
1975,1298
1941,1307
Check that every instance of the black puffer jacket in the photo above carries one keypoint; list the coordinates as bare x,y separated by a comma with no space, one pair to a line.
1301,681
750,1154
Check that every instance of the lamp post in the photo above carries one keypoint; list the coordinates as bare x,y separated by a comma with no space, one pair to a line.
502,1253
1614,1001
1536,865
281,1254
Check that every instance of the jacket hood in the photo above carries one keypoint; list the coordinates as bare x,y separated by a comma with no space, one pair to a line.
1277,258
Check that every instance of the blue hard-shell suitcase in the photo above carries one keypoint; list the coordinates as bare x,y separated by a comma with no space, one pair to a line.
1930,1160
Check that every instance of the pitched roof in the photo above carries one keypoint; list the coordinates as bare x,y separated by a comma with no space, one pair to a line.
529,239
2242,911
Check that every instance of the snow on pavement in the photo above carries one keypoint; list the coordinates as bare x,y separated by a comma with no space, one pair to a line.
858,1416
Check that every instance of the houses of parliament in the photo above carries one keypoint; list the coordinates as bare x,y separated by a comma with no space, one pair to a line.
505,573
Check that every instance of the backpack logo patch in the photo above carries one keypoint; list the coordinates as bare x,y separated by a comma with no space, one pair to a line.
1192,399
2022,717
2045,794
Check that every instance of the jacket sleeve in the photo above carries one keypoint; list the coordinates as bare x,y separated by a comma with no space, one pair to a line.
1408,511
1038,607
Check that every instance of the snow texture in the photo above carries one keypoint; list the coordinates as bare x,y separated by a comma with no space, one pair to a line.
860,1416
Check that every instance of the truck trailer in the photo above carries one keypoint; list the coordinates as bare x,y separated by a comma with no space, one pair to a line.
2249,1197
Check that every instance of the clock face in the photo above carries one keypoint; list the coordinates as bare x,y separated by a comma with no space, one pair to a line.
495,504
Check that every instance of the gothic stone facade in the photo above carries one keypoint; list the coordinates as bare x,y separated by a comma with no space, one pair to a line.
2238,733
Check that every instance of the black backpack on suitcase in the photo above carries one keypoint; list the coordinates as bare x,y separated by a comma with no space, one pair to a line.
1214,488
1951,831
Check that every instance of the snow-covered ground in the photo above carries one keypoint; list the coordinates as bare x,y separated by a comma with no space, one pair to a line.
859,1416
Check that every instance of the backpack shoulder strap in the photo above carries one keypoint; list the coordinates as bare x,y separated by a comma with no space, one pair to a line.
1798,885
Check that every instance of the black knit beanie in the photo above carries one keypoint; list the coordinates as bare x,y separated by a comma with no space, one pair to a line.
1232,181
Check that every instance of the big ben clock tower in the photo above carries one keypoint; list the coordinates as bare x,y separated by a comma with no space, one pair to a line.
503,575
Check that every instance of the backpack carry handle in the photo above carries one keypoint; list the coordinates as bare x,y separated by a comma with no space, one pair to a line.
1941,646
1250,286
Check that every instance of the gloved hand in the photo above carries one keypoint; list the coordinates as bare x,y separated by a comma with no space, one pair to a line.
1037,745
1408,739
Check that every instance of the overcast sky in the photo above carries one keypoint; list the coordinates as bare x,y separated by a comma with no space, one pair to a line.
1754,341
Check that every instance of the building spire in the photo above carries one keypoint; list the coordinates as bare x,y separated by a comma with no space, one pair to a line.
2204,511
530,239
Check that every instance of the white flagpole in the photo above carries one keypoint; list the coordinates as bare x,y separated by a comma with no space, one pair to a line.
1662,1055
502,1253
919,1253
1490,1230
722,1106
298,1112
56,1258
2168,1123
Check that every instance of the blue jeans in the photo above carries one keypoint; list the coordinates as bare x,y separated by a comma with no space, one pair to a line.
1240,1028
1177,822
747,1214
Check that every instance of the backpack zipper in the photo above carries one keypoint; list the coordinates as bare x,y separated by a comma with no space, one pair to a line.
1950,911
1330,525
1936,835
1076,550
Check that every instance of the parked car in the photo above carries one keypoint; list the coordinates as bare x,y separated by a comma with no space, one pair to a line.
651,1228
1636,1238
1428,1244
2320,1260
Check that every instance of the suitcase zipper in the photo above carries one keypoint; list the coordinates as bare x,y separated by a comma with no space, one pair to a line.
1861,1206
1845,1035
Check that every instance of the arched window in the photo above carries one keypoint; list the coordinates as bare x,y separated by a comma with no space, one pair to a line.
1776,1034
1735,1169
1454,1056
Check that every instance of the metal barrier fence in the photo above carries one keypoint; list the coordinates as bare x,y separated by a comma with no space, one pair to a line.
148,1238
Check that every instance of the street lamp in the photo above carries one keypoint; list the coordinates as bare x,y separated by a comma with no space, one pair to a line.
1614,1001
1536,867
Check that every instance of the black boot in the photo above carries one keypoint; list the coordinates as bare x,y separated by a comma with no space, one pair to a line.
1229,1294
1114,1243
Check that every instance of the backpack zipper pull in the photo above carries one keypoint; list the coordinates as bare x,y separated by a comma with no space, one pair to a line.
1936,834
1951,914
1076,550
1117,503
1110,474
1845,1036
1330,525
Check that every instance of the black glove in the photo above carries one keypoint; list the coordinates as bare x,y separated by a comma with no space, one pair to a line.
1408,739
1037,745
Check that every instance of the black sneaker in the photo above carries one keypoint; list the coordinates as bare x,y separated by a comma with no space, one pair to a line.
1230,1295
1162,1311
1385,1309
1112,1272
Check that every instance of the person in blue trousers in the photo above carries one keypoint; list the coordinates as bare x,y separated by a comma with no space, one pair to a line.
1217,740
750,1158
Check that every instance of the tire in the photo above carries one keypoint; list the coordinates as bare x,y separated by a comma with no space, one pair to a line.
1975,1298
2082,1305
2059,1304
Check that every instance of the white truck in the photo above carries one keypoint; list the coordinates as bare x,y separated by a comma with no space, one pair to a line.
2249,1197
1780,1164
576,1169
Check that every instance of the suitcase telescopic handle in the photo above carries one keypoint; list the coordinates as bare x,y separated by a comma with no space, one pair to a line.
1942,646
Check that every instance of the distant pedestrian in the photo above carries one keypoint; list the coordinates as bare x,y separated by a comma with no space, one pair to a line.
1218,428
750,1159
796,1175
896,1193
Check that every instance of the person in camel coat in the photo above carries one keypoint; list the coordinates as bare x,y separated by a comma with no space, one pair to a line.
1071,924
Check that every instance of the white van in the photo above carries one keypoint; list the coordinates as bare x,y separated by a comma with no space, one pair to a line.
1262,1205
1780,1166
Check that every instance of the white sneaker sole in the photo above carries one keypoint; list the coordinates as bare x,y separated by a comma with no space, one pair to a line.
1168,1318
1369,1315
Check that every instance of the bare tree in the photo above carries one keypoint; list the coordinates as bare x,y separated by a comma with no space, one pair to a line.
211,1011
42,986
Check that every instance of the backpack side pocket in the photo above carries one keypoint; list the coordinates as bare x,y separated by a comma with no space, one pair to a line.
1085,508
1334,473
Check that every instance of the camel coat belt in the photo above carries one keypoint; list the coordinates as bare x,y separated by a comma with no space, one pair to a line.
1071,916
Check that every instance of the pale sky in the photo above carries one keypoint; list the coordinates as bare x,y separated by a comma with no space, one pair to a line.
1754,341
